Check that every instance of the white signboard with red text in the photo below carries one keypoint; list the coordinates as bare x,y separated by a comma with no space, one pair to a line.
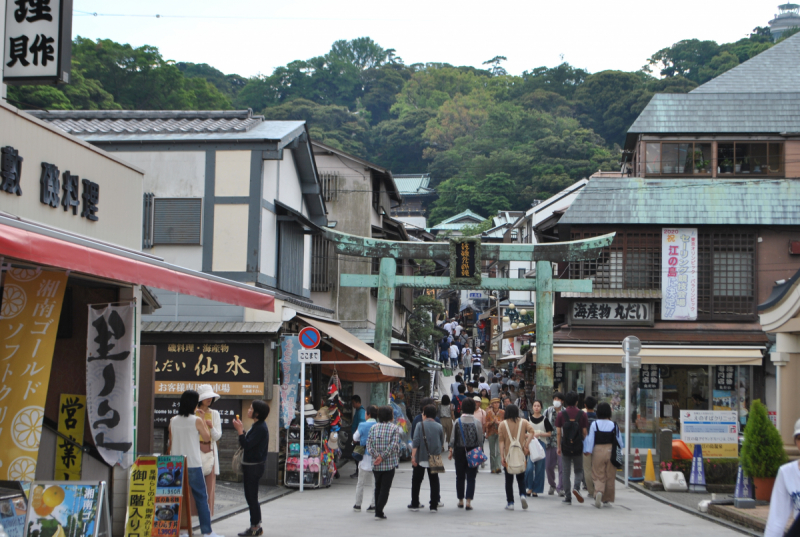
679,274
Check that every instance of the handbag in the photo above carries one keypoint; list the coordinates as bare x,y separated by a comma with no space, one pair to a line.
476,456
617,455
435,464
536,450
207,458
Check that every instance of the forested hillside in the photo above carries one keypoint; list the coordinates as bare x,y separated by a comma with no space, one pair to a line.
490,140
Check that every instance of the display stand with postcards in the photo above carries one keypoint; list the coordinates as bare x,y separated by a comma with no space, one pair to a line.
317,469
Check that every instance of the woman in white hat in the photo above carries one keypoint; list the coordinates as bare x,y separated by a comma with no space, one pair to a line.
209,451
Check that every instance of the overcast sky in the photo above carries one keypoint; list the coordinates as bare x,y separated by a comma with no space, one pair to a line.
260,35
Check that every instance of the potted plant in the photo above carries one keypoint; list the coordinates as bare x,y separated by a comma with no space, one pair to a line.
744,167
726,166
756,166
762,450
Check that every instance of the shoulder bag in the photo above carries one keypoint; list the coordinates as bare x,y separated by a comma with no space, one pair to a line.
617,455
476,456
435,464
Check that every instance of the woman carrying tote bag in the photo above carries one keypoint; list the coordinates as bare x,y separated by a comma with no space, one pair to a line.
208,450
600,443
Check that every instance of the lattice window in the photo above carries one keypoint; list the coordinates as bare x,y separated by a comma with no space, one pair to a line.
322,260
330,185
727,285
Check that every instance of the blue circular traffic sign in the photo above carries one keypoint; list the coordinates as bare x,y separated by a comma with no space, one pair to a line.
309,337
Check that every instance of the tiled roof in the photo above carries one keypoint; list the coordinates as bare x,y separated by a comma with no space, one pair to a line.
166,126
720,113
636,200
411,184
773,71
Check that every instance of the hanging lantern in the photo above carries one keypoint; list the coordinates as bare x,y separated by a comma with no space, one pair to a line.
523,312
506,319
514,325
511,306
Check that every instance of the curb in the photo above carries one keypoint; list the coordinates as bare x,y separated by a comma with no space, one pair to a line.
695,512
237,510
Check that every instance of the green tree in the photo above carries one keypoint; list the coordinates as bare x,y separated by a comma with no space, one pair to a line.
228,85
477,229
398,143
422,330
762,450
38,97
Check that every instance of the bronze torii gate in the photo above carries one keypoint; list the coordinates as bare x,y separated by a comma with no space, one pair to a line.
465,255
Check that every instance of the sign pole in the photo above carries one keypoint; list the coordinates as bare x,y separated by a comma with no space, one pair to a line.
302,418
627,410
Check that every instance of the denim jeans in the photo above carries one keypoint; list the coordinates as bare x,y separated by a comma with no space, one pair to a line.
197,482
464,473
534,475
251,473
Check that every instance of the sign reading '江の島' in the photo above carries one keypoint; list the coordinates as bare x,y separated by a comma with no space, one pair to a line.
38,42
230,368
679,274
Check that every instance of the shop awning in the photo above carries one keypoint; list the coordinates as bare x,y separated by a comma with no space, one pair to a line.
658,355
347,347
510,358
41,245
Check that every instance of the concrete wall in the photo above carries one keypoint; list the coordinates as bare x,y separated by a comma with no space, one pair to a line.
774,261
121,185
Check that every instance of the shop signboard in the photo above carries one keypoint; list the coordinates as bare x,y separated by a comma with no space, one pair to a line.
67,509
716,431
648,377
679,274
12,515
166,408
38,42
230,368
170,496
558,373
30,309
612,312
141,497
724,377
109,381
71,423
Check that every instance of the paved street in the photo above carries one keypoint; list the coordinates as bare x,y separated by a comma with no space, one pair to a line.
329,512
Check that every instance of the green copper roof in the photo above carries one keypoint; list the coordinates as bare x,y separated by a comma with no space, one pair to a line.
636,200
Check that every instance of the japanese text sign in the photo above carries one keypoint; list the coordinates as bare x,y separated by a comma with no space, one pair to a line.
165,409
465,260
648,377
71,423
716,430
38,41
65,509
12,515
109,382
679,274
230,368
30,310
290,378
141,497
169,495
611,312
724,379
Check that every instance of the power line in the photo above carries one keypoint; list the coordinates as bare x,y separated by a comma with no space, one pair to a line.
80,13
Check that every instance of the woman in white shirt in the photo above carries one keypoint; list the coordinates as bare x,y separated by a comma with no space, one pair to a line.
784,505
599,443
183,431
209,449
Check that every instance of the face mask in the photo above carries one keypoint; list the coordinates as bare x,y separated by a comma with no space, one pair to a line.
557,404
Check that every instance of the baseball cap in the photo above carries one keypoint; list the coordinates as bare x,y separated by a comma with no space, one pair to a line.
797,428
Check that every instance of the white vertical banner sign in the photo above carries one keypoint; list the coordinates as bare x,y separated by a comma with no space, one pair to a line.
109,382
679,274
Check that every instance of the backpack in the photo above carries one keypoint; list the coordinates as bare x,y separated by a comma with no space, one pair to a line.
457,406
571,437
515,460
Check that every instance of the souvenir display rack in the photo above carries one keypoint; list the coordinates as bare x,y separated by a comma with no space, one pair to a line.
318,471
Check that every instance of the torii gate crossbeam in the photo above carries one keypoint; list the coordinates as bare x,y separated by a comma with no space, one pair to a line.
543,254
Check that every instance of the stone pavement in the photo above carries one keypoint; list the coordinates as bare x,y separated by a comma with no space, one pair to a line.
329,512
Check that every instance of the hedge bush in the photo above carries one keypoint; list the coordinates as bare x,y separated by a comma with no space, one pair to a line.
762,450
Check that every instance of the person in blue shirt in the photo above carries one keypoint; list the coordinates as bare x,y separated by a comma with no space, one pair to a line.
603,433
359,417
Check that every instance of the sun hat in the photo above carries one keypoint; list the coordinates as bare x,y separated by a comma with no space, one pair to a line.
495,400
477,399
333,441
309,410
205,391
797,428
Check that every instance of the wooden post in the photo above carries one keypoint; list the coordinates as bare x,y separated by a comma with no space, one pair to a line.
383,324
544,332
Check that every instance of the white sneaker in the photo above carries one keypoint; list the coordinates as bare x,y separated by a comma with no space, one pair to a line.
212,534
524,501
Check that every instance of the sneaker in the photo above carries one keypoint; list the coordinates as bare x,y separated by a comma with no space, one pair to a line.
567,501
578,496
510,506
561,493
434,510
380,517
524,501
250,532
606,504
357,508
441,504
212,534
551,491
353,475
371,509
412,507
598,500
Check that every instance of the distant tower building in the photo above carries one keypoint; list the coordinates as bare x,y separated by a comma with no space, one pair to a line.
788,17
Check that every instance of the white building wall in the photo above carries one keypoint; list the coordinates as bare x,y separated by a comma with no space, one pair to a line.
289,191
178,174
269,236
270,176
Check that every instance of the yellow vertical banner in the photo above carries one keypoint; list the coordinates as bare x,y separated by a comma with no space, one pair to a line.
71,423
29,314
141,497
